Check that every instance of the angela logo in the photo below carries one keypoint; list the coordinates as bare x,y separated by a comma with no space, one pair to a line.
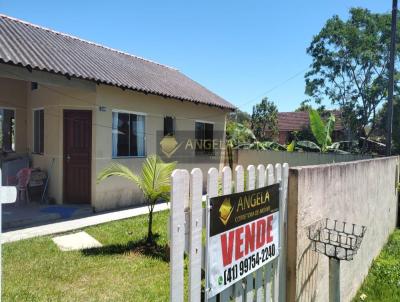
169,145
225,211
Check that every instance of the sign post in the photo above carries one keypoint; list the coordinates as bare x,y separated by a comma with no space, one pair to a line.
242,236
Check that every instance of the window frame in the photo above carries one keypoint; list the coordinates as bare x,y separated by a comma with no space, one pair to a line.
15,128
173,125
144,137
204,152
41,152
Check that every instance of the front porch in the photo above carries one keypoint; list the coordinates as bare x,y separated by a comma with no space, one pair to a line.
17,216
32,132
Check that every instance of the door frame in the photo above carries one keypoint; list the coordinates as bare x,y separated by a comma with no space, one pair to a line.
64,154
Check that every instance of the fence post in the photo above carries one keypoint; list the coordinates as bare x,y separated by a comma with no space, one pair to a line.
283,233
177,231
196,225
277,262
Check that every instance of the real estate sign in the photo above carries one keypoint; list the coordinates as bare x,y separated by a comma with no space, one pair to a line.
243,235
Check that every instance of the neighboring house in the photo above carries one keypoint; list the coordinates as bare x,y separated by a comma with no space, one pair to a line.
84,106
289,122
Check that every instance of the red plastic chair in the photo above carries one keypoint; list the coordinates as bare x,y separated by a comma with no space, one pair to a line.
23,178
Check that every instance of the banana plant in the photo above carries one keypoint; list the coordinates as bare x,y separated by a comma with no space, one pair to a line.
322,132
154,181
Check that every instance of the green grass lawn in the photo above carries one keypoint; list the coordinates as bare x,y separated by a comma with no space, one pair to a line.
383,281
122,270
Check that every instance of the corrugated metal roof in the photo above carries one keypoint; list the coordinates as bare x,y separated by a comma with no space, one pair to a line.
39,48
296,121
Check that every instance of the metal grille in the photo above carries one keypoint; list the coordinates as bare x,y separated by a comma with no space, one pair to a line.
339,240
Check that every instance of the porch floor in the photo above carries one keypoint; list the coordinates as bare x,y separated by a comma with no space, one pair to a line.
16,216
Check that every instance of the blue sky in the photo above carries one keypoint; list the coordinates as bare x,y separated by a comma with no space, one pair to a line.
241,50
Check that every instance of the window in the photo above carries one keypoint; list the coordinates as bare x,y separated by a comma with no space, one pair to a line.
204,138
128,137
169,126
7,130
38,131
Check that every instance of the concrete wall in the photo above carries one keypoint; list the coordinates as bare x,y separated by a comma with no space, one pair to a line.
54,98
117,191
360,192
254,157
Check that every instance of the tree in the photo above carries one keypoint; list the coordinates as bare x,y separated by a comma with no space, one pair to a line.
236,135
381,124
264,120
154,182
304,106
241,117
349,67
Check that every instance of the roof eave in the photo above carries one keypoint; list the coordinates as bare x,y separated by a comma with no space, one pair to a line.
124,87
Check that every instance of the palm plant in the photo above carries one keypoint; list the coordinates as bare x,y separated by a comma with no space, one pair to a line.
154,182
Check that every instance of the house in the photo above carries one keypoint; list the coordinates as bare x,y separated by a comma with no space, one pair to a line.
73,107
289,122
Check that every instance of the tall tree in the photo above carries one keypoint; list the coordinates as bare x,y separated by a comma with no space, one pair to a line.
304,106
382,122
264,120
241,117
349,67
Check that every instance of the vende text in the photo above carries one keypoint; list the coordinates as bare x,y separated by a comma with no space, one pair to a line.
244,240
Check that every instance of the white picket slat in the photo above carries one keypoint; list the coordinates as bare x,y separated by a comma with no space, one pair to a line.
268,282
270,175
196,226
212,183
239,179
251,184
239,187
212,191
259,291
177,236
225,295
226,181
186,179
251,178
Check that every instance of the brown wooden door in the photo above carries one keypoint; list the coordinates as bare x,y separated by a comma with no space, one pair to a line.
77,156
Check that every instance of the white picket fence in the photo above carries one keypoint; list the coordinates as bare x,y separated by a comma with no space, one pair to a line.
187,224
